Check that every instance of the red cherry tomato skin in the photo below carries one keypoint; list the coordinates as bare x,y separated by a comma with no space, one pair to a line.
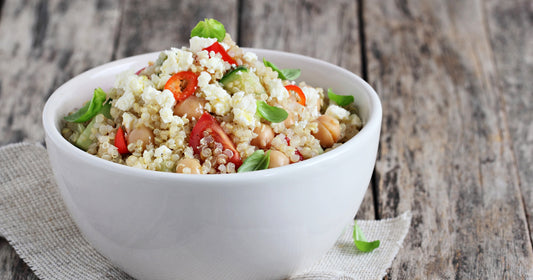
210,124
182,84
218,48
120,141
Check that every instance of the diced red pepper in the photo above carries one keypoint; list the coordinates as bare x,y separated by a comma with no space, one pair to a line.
209,123
182,84
120,141
298,91
218,48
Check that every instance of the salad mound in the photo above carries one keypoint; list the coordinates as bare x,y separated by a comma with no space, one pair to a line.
211,108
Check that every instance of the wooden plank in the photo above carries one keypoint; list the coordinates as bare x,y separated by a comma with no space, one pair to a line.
162,24
39,52
445,150
324,30
511,37
45,43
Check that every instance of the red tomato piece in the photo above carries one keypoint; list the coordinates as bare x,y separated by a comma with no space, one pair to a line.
120,141
298,91
218,48
182,84
209,123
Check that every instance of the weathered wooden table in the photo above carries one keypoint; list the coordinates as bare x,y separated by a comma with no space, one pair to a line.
455,79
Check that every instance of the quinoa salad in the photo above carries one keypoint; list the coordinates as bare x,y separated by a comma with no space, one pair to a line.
211,108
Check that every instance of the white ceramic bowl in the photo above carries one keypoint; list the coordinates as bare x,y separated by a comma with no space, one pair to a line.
264,224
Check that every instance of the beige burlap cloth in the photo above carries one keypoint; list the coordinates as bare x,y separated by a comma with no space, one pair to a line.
35,222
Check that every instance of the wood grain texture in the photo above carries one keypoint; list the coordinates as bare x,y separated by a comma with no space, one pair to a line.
445,146
39,52
324,30
160,25
511,36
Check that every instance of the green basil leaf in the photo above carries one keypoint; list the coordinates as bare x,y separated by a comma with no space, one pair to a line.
256,161
284,74
360,241
291,74
90,109
271,113
209,28
341,100
106,109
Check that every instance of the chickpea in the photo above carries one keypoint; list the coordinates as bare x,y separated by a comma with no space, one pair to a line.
277,159
329,131
189,166
193,106
265,134
141,133
289,121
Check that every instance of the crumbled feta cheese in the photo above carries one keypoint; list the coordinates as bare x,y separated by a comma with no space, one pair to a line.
166,114
312,99
249,57
244,108
166,101
127,121
218,99
162,152
356,121
148,155
126,101
337,112
198,43
277,90
159,81
149,95
135,84
177,61
212,62
203,79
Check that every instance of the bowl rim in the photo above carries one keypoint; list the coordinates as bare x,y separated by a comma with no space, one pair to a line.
53,134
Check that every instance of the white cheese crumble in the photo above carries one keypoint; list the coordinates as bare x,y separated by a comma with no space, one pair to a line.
166,101
127,121
198,43
203,79
312,100
218,99
249,57
277,90
126,101
244,108
212,62
177,61
163,152
337,112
